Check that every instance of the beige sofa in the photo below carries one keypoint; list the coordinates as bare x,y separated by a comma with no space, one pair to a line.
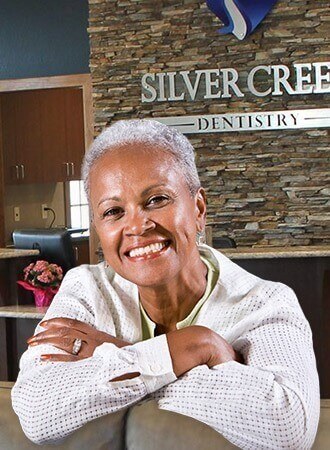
143,427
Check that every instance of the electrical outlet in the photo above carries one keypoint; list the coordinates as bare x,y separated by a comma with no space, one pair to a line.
44,212
17,214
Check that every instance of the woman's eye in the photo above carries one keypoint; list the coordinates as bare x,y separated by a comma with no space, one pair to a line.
112,212
157,200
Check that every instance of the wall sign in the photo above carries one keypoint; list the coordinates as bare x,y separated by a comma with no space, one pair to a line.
261,81
262,120
240,17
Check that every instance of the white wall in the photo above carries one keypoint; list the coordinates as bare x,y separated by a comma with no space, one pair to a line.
29,198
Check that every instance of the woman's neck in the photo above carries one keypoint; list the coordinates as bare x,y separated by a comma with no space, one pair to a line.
168,304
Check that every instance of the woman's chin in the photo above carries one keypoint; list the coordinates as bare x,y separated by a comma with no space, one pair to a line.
150,280
151,275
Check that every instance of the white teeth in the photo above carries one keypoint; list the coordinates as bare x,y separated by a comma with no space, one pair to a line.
152,248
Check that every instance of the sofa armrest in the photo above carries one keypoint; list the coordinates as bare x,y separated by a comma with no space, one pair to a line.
105,432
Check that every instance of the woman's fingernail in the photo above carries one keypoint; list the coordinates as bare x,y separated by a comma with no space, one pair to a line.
45,356
32,343
44,323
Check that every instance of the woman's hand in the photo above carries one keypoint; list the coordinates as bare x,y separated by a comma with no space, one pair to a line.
62,333
197,345
217,350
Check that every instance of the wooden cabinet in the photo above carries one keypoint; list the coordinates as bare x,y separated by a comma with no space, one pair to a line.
52,126
42,135
81,249
74,132
21,137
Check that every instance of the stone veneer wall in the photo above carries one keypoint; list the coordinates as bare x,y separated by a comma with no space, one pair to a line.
264,188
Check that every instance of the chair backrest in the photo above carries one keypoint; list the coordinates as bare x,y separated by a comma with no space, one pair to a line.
54,244
223,242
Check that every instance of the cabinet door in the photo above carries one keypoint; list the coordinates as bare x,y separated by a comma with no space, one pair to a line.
62,130
27,135
81,249
21,137
75,139
23,151
53,135
8,124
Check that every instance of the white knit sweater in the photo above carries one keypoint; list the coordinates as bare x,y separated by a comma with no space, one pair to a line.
270,402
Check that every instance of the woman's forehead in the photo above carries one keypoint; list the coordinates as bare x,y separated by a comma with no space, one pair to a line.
137,149
136,157
128,169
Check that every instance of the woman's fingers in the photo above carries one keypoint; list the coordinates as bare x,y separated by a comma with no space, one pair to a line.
60,322
61,332
63,339
90,331
66,334
62,343
57,357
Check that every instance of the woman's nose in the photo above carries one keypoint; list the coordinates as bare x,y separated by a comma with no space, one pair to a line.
138,224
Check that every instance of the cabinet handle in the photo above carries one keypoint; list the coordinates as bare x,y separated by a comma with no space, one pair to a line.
76,253
17,172
72,169
22,171
67,169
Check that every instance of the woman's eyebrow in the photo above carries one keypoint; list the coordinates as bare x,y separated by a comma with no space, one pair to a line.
114,198
144,192
150,188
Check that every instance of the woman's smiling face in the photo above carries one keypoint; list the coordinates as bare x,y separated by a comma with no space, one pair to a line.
144,214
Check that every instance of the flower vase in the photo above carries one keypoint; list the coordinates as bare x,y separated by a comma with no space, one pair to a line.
43,297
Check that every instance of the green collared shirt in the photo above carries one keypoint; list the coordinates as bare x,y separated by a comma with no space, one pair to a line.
148,326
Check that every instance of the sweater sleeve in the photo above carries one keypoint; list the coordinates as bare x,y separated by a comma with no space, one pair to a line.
53,399
270,402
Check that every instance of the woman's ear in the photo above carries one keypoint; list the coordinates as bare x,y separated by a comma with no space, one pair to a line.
200,202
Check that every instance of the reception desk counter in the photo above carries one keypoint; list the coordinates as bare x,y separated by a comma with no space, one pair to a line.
12,262
276,252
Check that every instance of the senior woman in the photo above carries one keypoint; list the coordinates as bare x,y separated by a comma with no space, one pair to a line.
164,318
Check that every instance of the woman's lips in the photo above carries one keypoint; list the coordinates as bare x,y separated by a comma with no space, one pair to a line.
148,251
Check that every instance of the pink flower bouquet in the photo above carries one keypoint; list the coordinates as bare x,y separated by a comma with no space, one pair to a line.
43,279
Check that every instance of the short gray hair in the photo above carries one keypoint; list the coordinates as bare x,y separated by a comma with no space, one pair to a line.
153,134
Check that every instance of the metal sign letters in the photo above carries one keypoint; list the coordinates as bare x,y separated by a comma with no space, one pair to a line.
261,81
256,121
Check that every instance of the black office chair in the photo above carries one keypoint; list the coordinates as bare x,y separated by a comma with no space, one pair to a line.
55,244
223,242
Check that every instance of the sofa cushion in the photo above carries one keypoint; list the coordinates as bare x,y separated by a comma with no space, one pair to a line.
147,428
150,428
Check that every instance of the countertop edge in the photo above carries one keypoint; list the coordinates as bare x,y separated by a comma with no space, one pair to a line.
10,253
22,312
275,252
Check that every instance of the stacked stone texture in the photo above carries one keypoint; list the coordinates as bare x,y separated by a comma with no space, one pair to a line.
264,187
